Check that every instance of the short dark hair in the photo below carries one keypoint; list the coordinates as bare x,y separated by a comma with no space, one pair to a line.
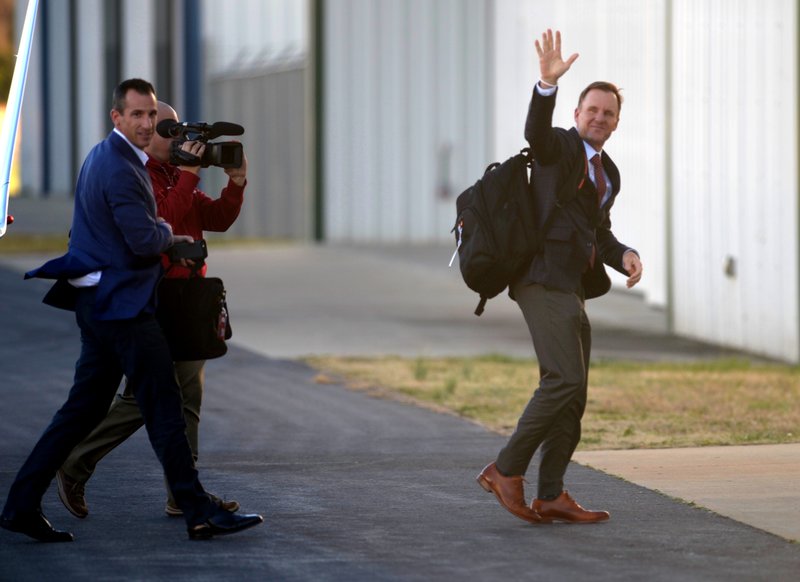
602,86
120,91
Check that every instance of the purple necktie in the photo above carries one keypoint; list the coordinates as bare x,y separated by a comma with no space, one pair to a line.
599,178
600,186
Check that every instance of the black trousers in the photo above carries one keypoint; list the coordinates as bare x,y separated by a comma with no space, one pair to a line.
562,338
137,349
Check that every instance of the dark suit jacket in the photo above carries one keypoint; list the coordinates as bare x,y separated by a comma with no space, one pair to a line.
114,230
562,185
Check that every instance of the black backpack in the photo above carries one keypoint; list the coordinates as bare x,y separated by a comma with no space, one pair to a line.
496,230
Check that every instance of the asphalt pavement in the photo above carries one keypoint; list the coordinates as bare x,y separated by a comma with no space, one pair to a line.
354,487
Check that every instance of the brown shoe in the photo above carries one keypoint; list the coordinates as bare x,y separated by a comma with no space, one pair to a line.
565,508
228,505
509,493
71,494
172,509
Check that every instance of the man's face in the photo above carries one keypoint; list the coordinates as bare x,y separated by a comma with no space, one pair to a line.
597,117
138,121
159,146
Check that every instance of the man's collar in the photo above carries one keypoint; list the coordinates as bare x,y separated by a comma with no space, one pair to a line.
590,151
140,153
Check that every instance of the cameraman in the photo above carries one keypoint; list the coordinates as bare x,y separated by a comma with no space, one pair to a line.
180,202
190,212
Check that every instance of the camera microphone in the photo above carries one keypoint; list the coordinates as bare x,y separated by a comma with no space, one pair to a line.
224,128
170,128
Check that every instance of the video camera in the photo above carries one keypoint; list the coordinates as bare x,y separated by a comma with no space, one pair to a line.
226,154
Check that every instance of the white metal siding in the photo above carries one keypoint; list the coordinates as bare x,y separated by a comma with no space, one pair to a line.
94,97
256,75
251,34
405,115
420,95
138,40
735,173
57,74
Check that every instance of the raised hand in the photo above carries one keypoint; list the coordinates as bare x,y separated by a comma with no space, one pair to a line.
551,64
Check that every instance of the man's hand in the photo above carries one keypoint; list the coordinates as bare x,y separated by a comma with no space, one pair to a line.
551,65
179,238
633,266
238,175
196,148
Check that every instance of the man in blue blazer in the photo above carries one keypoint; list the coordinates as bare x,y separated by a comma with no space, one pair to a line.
576,180
108,277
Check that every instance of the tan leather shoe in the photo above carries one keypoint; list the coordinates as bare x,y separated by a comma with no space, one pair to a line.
71,494
231,506
565,508
509,492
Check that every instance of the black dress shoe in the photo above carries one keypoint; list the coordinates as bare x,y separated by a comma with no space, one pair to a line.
223,523
35,525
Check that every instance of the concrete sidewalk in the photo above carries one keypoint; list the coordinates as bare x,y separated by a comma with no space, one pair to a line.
289,301
757,484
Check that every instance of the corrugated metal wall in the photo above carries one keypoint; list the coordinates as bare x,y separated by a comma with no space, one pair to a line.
419,96
406,91
270,104
734,86
256,75
67,97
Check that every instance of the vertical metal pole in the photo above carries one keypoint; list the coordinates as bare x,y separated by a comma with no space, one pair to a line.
74,96
797,146
45,86
668,162
193,61
317,89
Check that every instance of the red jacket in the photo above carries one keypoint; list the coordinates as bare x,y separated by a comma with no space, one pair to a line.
189,210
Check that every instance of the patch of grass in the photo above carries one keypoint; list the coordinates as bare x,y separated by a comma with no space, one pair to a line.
16,243
420,370
630,404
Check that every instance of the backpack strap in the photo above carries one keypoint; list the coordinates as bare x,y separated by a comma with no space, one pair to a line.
529,155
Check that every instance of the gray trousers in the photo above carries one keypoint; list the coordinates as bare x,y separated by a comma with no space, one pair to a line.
124,419
562,338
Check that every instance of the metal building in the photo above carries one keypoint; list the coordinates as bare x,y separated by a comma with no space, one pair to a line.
708,160
406,124
365,118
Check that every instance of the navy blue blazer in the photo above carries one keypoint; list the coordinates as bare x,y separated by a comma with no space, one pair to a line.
560,177
114,230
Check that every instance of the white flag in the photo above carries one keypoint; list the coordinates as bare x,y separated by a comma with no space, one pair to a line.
8,134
